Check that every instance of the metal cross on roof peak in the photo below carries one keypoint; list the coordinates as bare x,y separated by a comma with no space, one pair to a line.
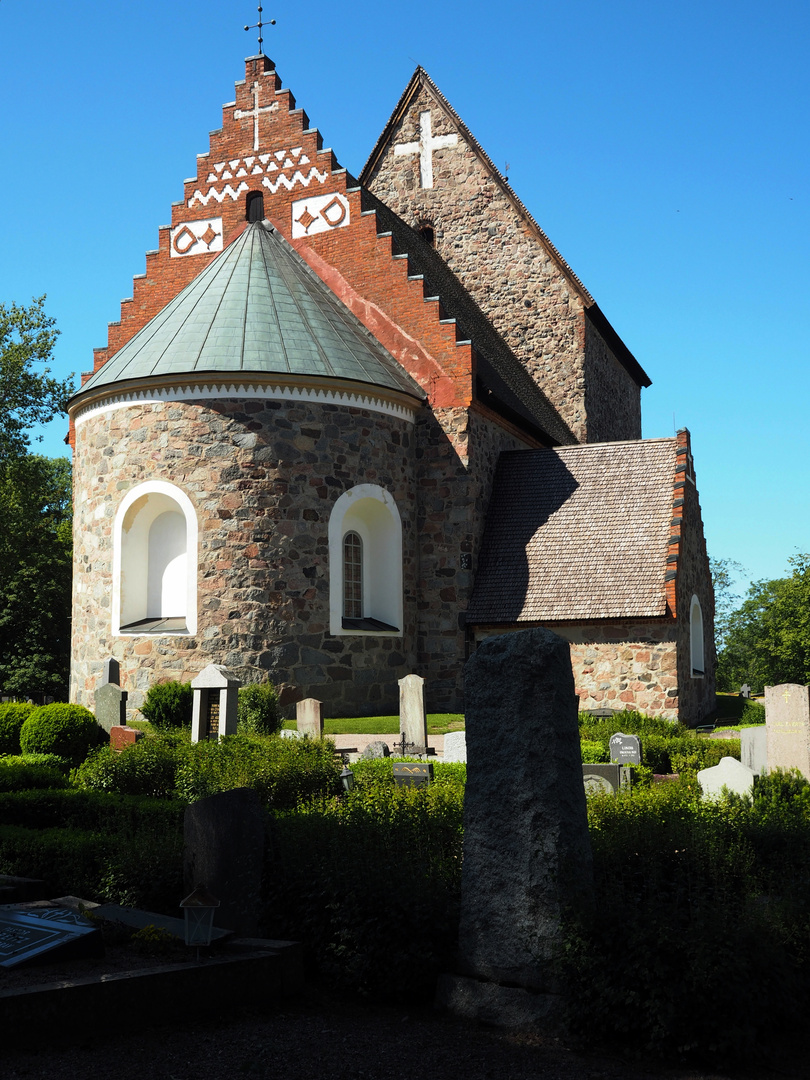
258,25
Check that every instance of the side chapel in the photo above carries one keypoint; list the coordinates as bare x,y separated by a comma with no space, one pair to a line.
347,427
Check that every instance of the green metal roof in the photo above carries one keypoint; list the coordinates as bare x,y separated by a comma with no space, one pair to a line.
256,308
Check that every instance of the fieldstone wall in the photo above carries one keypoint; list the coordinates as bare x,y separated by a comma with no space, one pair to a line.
509,269
263,477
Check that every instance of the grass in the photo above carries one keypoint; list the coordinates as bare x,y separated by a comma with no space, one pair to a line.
438,724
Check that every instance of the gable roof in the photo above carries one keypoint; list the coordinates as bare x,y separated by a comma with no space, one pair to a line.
419,80
257,308
578,532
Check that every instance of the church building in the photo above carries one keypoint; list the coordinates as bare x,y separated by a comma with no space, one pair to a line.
347,427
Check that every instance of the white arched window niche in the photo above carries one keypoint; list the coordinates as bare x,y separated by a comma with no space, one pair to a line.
155,562
696,639
365,563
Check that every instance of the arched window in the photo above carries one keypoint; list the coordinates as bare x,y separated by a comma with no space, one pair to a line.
698,662
365,563
155,562
254,206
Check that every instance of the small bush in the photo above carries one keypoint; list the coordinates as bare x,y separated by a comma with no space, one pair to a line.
169,705
70,731
257,711
20,774
147,768
13,715
594,751
753,713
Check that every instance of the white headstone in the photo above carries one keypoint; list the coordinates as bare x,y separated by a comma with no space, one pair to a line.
730,774
754,749
412,716
455,746
787,721
309,717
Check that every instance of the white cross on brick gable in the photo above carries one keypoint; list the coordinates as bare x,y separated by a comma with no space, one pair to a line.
244,114
428,142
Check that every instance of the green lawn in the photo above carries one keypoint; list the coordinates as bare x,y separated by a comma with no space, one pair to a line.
438,724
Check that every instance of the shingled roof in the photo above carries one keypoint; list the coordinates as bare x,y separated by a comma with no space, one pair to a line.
577,532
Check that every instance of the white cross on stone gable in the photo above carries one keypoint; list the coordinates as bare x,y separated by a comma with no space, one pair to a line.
428,142
244,114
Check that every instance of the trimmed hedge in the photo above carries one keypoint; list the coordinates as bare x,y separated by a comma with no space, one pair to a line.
70,731
13,715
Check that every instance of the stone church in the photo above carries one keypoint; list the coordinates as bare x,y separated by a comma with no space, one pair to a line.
346,427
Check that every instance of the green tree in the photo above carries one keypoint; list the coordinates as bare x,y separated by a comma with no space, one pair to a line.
726,599
27,396
35,575
768,637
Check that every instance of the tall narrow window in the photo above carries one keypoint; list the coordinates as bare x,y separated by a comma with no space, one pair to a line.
696,639
254,206
352,576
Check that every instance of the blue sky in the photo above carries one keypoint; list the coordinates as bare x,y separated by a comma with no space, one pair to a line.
662,147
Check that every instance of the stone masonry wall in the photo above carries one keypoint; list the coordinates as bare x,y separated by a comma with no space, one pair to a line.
263,477
623,665
512,274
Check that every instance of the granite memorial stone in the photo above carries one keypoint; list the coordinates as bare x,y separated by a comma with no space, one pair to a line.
309,717
412,774
111,672
455,746
30,933
601,778
215,699
787,722
376,749
625,749
527,855
110,706
412,716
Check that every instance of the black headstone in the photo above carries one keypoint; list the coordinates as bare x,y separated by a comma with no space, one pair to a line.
46,933
625,749
411,774
112,672
604,778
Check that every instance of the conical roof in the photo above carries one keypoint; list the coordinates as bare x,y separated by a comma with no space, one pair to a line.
256,308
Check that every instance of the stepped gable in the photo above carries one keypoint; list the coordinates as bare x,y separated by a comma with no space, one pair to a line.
429,168
580,532
257,309
265,146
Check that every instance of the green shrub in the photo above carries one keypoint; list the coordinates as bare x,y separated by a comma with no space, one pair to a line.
753,713
20,774
594,751
257,711
169,705
90,811
13,715
149,767
70,731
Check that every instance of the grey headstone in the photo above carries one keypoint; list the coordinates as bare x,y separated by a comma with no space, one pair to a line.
730,774
110,706
309,717
412,774
36,932
625,749
602,777
455,746
754,749
376,749
745,691
112,672
224,851
527,856
412,716
787,721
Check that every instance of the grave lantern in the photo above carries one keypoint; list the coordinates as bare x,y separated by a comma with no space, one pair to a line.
198,908
347,779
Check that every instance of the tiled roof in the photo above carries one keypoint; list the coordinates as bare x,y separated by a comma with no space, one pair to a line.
256,308
577,532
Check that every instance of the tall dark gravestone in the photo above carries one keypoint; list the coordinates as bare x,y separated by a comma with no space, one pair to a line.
527,855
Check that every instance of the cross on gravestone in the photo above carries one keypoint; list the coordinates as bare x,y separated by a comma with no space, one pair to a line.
787,722
424,147
745,691
247,114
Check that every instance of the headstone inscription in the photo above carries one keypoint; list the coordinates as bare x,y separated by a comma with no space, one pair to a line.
787,722
38,933
110,706
527,855
602,777
730,774
412,716
224,848
754,749
412,774
625,749
309,717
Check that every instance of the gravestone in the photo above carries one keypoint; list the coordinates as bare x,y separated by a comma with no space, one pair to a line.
214,711
110,706
37,933
527,855
122,736
745,691
111,672
309,717
754,749
787,721
224,850
411,774
730,774
625,749
602,777
455,746
376,749
412,716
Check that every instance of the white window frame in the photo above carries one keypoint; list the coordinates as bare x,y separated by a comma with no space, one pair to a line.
139,508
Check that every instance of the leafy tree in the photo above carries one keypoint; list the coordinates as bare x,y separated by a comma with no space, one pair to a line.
726,599
768,637
35,575
27,396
